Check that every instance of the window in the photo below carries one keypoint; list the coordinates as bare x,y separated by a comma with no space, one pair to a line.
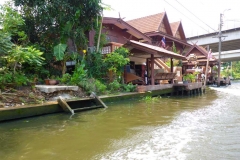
106,50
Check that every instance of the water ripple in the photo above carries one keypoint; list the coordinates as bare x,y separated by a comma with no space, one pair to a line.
207,133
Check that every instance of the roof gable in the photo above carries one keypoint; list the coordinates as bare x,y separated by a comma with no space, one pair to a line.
177,30
202,51
126,27
166,23
151,23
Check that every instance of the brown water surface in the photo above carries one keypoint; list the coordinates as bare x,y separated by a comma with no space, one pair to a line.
199,127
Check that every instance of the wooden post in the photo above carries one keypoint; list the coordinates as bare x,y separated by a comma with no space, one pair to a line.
171,65
100,32
206,70
64,105
172,68
147,64
152,69
98,100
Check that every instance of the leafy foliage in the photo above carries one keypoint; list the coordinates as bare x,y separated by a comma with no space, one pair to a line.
96,67
129,87
189,77
79,73
59,51
5,43
114,86
117,60
20,55
65,78
17,79
51,22
11,21
236,69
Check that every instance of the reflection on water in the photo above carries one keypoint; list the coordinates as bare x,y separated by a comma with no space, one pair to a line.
200,127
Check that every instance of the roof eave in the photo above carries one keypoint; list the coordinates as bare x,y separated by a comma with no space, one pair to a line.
145,48
114,21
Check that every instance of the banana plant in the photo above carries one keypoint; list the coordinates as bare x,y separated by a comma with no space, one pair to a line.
61,55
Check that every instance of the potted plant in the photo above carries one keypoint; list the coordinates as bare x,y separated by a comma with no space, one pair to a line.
189,78
47,80
185,79
52,80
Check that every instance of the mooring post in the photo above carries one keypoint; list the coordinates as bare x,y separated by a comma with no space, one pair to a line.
98,100
64,105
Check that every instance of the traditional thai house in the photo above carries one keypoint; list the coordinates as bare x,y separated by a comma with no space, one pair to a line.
197,58
165,35
157,26
117,33
143,38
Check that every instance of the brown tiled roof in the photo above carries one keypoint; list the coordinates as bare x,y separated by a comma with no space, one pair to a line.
147,24
174,27
203,49
150,49
123,25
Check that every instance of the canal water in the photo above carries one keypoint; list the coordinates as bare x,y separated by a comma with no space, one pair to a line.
199,127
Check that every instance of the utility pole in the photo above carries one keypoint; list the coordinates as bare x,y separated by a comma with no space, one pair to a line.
220,45
219,49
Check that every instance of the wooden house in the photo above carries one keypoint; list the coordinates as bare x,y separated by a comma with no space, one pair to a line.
157,26
197,57
117,33
143,38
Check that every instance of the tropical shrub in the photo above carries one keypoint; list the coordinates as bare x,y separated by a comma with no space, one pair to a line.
114,86
17,79
116,60
129,87
95,65
100,87
79,73
19,55
65,78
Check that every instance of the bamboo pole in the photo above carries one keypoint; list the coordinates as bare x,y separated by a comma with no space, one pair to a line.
206,71
99,34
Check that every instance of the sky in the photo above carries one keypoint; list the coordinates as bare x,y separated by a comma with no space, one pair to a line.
198,16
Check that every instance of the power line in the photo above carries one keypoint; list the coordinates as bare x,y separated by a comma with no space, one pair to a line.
186,16
196,16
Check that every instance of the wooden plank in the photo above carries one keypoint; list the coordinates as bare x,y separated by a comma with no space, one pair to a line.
87,108
98,100
64,105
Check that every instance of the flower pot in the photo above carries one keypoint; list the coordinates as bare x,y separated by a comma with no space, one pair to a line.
46,81
185,82
52,81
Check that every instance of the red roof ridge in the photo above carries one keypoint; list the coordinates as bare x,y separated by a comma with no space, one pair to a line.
146,16
175,28
148,23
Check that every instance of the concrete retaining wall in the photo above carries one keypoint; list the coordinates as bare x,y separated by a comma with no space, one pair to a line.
53,107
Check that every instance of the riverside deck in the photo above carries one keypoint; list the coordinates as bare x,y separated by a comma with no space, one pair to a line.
189,88
12,113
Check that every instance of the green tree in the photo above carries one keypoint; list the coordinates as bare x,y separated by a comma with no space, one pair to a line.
236,69
14,47
12,23
116,60
50,22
